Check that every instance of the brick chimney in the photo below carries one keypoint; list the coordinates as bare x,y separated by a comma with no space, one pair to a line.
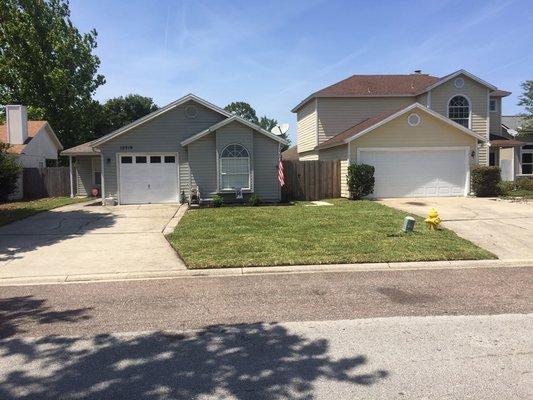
17,124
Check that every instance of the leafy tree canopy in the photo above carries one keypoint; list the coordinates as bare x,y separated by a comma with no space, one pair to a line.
120,111
246,111
526,100
46,63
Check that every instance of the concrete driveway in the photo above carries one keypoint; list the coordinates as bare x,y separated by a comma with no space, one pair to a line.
83,239
503,227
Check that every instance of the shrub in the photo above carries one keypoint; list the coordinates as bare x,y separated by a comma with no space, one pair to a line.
360,180
254,200
524,183
485,181
217,201
9,172
505,188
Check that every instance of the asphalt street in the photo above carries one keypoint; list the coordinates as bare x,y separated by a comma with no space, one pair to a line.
439,334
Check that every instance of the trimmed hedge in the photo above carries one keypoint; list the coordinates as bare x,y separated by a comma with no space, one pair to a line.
360,180
486,181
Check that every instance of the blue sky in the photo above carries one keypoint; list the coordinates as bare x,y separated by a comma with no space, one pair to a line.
273,54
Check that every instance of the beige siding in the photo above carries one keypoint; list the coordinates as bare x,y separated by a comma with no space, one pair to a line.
344,179
495,117
398,133
335,115
478,96
308,156
423,99
334,153
306,127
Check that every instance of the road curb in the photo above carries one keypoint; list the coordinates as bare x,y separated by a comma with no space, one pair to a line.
242,271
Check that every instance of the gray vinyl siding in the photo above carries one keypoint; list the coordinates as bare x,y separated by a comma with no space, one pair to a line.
265,168
203,165
83,176
162,134
495,117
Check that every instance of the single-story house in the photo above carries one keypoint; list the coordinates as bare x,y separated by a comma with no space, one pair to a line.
33,143
188,147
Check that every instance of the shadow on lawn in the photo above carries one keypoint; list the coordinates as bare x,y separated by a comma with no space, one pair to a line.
247,361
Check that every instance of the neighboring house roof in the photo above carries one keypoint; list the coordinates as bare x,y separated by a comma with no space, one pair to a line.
34,127
290,154
512,122
391,86
500,141
84,149
233,118
158,112
376,121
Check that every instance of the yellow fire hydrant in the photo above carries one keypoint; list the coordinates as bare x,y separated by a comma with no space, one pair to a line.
433,220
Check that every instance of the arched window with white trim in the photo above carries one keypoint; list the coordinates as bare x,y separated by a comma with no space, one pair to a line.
234,167
459,110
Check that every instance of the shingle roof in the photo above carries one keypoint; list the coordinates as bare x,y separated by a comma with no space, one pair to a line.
385,85
512,121
375,85
82,149
290,154
33,128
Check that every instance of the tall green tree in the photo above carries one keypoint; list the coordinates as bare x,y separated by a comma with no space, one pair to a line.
243,110
246,111
526,100
120,111
46,63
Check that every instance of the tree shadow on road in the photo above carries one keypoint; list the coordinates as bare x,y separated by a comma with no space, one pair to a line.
247,361
21,310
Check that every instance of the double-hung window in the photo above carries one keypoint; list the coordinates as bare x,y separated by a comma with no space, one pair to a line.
527,159
234,167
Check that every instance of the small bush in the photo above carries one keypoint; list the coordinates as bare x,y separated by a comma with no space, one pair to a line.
217,201
254,200
485,181
505,188
360,180
524,183
9,172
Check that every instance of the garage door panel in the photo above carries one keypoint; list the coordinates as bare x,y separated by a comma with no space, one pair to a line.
417,173
155,181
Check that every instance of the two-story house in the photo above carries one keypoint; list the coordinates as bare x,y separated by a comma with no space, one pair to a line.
423,134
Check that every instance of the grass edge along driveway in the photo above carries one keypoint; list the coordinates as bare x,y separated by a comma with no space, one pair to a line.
347,232
15,210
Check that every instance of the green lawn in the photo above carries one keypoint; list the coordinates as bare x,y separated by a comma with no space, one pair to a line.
16,210
527,194
348,232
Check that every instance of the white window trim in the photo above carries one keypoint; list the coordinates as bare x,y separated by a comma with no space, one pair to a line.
469,109
495,105
219,163
525,151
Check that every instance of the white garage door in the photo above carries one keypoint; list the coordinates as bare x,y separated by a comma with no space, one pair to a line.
423,172
148,178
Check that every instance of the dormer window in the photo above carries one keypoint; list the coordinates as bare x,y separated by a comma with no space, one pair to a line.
492,105
459,110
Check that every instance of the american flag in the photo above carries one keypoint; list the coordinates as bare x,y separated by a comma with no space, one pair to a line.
281,175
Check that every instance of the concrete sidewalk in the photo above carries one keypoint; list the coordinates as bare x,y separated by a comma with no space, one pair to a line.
286,269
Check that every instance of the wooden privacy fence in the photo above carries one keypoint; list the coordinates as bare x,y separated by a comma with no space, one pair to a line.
46,182
311,180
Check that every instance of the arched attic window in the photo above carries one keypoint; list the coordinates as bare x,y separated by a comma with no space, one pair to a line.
234,167
459,110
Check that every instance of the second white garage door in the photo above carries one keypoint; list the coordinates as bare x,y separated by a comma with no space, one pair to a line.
423,172
148,178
